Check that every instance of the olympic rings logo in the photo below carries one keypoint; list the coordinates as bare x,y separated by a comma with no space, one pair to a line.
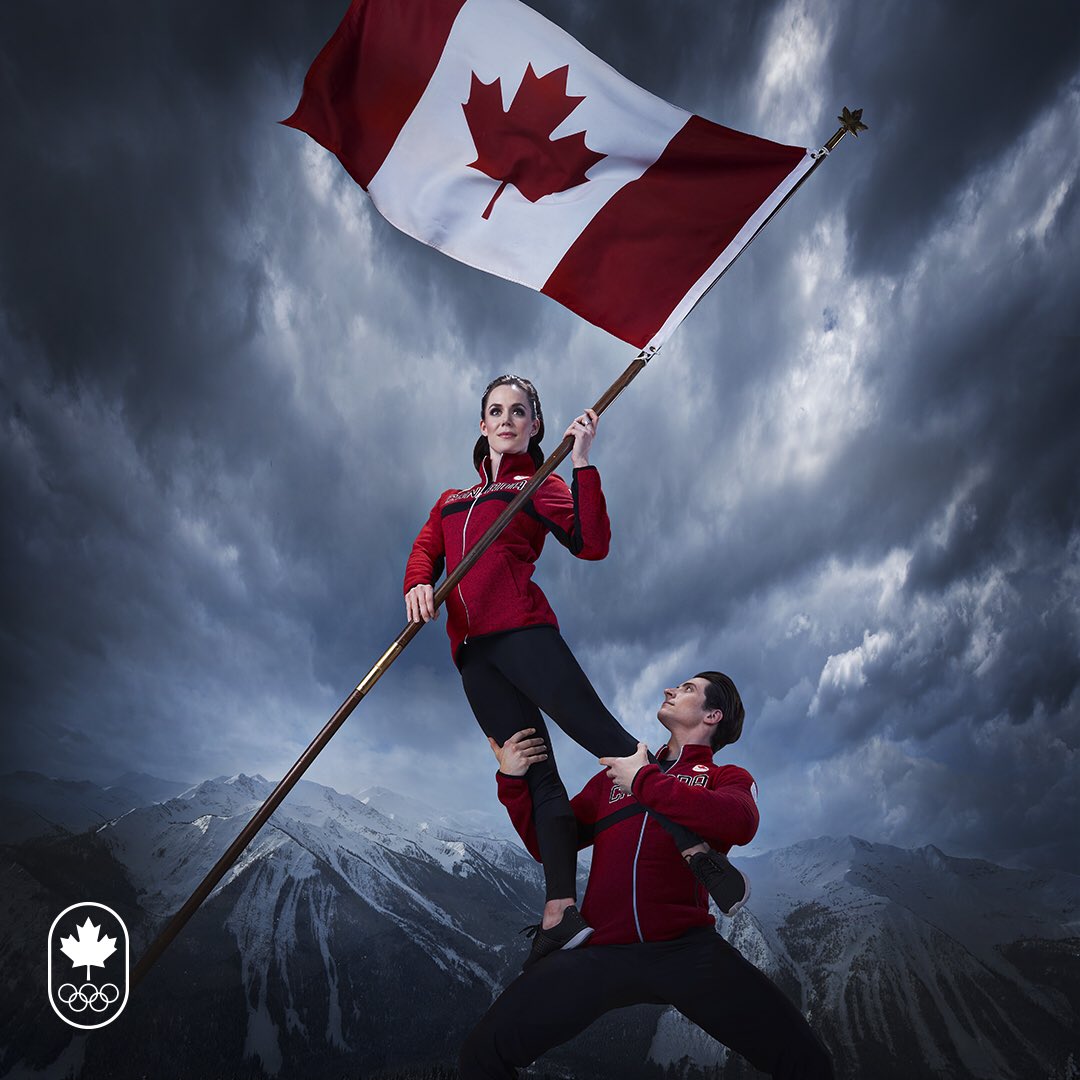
98,999
84,936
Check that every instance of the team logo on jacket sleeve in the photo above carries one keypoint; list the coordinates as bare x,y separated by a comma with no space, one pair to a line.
694,781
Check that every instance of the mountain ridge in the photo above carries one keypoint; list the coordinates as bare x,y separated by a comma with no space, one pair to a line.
346,911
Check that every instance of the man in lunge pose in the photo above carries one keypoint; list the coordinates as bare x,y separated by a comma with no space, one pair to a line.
654,940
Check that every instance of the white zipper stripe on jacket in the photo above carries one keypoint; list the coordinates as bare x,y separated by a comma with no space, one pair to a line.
633,891
641,836
464,530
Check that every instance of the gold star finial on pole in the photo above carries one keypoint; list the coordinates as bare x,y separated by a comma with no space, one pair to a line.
852,121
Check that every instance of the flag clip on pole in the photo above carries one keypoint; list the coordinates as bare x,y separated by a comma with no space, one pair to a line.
850,122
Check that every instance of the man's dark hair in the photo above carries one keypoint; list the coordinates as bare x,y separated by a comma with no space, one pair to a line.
721,693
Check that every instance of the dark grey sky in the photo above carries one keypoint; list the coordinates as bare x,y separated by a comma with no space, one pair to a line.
231,392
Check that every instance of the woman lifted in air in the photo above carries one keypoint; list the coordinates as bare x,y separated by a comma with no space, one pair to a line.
505,639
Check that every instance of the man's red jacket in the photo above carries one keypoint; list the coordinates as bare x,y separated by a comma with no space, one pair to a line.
640,888
498,593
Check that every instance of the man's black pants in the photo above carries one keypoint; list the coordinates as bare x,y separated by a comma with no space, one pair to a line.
703,976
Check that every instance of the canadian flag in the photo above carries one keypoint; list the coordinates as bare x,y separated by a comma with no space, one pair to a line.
480,128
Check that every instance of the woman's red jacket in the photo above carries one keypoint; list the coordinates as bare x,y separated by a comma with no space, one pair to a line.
498,593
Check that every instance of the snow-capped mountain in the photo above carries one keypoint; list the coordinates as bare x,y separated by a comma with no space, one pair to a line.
915,963
343,937
359,934
392,865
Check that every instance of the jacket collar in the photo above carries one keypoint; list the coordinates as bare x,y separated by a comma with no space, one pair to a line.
510,466
692,754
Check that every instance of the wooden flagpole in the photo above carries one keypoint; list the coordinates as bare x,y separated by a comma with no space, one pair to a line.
850,122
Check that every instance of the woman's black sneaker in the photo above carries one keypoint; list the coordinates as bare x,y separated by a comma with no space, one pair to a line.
568,933
727,885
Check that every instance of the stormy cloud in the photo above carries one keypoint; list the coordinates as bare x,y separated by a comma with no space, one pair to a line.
230,392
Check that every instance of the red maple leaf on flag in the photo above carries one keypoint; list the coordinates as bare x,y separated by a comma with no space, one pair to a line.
515,145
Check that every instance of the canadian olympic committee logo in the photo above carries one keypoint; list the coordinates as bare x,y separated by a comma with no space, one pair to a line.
82,937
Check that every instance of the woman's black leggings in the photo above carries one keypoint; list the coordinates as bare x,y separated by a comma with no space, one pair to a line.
508,679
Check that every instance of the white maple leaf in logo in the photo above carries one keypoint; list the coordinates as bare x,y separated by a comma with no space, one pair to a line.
90,949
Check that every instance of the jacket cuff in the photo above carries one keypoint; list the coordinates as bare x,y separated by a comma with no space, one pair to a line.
512,782
413,578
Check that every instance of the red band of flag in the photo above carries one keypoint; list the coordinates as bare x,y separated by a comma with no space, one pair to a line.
358,93
656,238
